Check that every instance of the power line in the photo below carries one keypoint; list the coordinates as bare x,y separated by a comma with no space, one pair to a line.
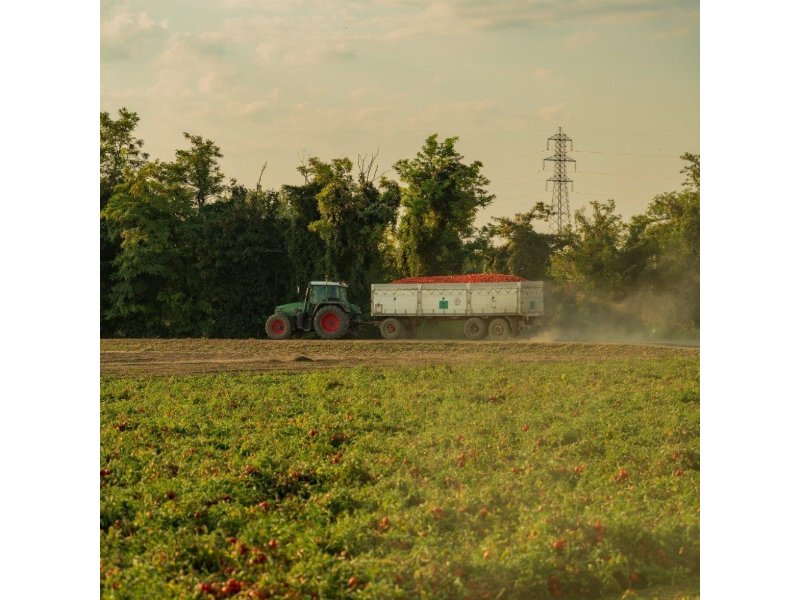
670,156
668,178
672,178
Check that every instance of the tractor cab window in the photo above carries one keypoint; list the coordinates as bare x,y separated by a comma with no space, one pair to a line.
316,294
336,292
327,293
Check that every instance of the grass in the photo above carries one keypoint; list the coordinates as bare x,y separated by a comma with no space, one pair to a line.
571,480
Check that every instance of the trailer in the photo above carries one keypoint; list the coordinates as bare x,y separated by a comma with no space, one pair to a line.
497,310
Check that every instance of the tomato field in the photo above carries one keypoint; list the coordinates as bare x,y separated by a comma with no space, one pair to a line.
483,479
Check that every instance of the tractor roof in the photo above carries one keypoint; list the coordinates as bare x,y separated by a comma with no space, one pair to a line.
328,283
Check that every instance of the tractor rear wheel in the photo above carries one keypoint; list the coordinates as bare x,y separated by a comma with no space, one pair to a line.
475,329
331,323
393,329
279,327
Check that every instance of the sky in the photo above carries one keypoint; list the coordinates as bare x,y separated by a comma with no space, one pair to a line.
278,80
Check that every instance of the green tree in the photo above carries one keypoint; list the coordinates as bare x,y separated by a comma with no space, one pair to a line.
307,252
514,246
198,167
592,256
661,255
353,217
440,199
121,157
120,151
643,275
242,260
156,285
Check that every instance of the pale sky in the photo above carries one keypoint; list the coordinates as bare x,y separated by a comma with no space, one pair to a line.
273,80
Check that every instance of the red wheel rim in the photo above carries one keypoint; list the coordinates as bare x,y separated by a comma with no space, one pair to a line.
278,327
390,328
330,322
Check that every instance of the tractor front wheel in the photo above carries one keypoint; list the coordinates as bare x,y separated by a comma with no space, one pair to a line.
331,323
279,327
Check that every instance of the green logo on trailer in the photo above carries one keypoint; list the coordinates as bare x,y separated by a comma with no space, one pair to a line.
442,303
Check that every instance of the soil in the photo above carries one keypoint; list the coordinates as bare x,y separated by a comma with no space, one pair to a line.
195,356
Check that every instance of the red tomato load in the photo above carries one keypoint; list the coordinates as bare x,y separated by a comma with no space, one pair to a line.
471,278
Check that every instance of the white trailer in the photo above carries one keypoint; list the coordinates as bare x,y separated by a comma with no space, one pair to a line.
496,310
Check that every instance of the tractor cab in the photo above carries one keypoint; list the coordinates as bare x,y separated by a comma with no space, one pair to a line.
318,292
324,309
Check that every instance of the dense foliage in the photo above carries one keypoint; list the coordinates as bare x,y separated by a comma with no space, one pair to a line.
182,253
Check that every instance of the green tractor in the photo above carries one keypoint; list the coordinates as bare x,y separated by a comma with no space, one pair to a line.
324,310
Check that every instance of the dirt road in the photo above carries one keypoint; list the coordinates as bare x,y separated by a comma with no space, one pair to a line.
175,357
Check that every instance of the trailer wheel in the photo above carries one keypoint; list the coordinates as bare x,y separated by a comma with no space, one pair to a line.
331,323
499,329
393,329
475,329
279,327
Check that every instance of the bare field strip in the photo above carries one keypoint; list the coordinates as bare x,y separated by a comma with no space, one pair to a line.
187,356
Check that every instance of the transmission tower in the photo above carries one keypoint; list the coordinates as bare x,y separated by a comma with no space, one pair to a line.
560,221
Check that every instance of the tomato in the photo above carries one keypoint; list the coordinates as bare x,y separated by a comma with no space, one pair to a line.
205,587
231,587
469,278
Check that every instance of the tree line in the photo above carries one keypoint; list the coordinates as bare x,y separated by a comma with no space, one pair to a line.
183,252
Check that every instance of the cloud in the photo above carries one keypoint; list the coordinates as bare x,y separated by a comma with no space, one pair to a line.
580,39
126,33
358,93
552,112
295,50
674,33
193,72
398,19
308,32
543,74
333,25
467,114
292,38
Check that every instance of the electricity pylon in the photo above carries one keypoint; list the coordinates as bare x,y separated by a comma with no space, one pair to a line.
560,221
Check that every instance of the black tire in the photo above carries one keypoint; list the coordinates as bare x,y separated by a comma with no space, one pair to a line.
279,327
499,329
331,323
475,329
393,329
